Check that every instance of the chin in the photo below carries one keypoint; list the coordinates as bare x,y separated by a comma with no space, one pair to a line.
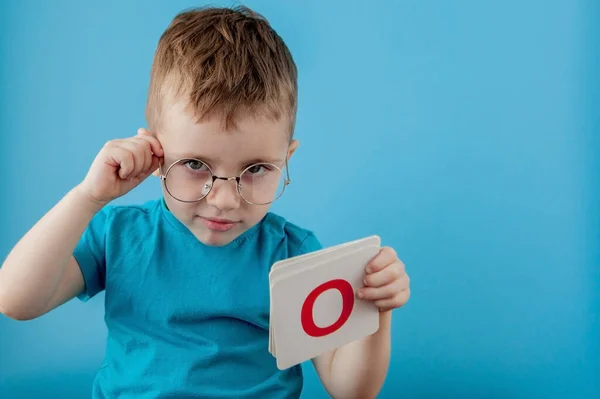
215,238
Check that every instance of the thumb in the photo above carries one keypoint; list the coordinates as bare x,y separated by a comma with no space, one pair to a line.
143,132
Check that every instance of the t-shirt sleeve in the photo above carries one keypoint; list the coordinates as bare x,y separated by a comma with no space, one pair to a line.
310,244
90,254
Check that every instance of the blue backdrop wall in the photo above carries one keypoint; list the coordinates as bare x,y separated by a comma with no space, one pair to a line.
465,133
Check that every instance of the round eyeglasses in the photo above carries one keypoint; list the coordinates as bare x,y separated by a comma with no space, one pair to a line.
191,180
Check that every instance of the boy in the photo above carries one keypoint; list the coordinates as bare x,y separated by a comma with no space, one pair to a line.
186,277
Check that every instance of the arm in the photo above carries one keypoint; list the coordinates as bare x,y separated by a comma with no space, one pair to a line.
358,370
40,273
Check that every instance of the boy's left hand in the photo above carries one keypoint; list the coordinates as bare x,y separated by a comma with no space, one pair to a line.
386,282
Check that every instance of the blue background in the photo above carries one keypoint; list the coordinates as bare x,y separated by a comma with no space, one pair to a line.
465,133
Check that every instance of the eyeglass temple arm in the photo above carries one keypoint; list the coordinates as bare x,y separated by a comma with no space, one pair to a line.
287,172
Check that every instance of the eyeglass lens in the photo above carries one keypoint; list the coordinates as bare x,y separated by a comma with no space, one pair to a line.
191,180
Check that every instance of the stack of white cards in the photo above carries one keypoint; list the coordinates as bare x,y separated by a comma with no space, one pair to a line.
314,303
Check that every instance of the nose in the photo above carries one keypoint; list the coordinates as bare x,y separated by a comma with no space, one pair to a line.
224,195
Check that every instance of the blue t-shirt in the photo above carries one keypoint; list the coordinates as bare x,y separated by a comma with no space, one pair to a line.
186,320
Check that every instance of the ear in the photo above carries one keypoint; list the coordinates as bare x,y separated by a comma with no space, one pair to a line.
292,147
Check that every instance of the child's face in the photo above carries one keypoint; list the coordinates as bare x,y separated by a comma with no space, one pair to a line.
223,214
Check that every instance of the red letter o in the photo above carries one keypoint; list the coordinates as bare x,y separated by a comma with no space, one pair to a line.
306,316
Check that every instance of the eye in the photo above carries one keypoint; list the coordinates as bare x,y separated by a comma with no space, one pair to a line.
194,165
258,169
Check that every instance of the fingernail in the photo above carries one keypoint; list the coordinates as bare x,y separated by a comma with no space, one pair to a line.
365,282
360,294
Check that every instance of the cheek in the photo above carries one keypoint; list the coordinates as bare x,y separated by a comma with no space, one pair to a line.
182,210
253,214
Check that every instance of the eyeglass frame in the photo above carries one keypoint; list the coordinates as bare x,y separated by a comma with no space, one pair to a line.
286,182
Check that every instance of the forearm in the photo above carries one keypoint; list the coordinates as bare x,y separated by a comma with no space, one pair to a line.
358,370
32,272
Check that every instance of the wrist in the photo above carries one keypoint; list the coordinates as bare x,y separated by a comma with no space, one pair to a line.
385,320
83,198
385,327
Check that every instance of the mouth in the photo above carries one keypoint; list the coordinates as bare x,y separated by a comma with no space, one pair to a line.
217,224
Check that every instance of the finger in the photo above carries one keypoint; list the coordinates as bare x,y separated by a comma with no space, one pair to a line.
139,152
138,157
397,301
146,173
156,169
154,143
156,152
385,276
377,293
123,160
153,166
145,145
385,257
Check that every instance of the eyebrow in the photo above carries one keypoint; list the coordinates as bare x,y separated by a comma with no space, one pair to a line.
213,161
263,160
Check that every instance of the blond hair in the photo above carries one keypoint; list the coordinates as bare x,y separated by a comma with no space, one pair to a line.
224,62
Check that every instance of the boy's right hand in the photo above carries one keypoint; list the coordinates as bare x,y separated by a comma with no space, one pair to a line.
121,166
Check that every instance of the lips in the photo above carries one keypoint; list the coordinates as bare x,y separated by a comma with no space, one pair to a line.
217,220
217,224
